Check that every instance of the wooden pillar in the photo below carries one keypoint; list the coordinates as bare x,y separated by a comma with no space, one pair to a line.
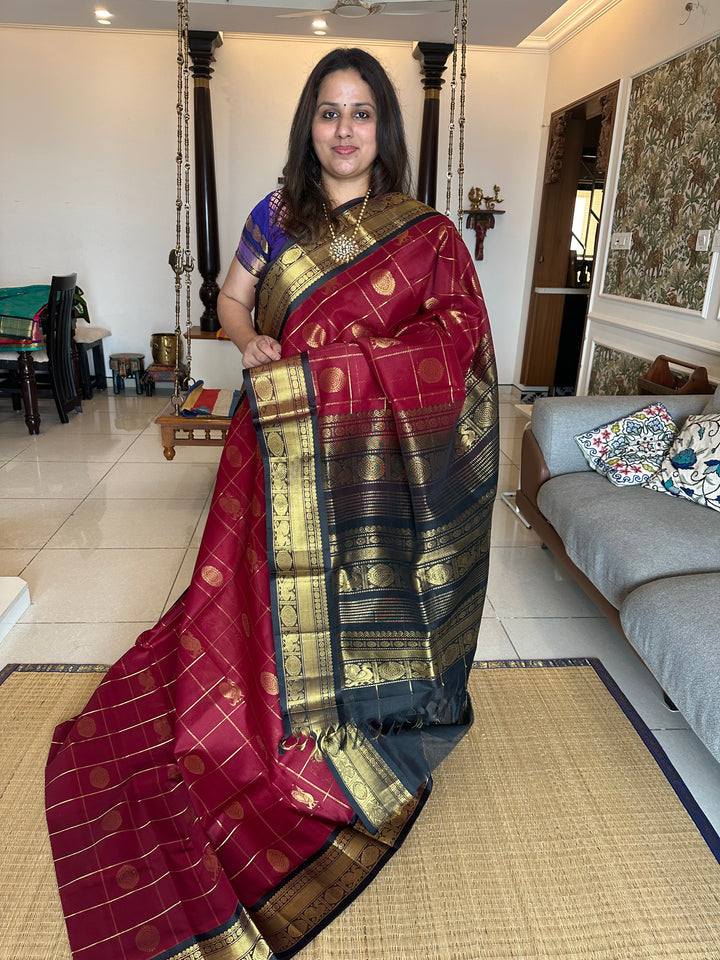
433,58
202,45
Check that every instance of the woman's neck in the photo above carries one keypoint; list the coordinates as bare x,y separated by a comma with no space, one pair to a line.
338,195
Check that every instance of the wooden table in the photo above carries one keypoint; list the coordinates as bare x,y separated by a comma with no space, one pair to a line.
28,385
22,304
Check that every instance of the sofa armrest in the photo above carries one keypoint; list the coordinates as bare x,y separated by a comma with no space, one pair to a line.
533,469
556,421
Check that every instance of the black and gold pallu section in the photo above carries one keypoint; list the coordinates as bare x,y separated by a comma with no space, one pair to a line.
283,403
410,544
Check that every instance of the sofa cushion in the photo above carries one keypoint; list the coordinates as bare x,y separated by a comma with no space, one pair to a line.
622,537
630,450
691,469
674,624
556,421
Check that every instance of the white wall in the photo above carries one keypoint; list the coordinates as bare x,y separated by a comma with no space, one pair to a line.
632,37
503,139
95,193
87,180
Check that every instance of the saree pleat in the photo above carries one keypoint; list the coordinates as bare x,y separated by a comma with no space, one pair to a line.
244,771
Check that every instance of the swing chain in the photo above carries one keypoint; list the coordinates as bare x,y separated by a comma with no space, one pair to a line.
181,258
459,29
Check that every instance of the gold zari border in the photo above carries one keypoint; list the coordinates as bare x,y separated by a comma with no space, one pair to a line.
296,546
321,888
375,788
241,941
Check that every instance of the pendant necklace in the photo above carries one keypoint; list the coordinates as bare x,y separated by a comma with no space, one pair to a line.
344,249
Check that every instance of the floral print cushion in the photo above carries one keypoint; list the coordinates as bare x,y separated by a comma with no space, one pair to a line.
691,469
629,451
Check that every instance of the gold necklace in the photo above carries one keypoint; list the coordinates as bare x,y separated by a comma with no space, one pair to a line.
344,249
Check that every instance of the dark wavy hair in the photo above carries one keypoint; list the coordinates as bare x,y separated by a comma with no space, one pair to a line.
303,192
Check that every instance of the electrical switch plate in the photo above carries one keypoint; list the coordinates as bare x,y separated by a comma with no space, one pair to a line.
703,240
621,241
716,242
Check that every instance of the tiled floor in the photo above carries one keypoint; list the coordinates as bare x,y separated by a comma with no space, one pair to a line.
105,532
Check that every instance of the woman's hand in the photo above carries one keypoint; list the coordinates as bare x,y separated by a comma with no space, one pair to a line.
261,349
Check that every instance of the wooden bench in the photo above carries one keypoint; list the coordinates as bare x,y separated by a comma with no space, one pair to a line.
179,431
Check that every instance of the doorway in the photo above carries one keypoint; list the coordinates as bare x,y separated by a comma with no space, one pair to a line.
570,213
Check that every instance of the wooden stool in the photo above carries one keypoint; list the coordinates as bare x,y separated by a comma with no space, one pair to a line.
127,366
162,373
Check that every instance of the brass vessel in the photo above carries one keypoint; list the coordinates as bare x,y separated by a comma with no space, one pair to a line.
164,348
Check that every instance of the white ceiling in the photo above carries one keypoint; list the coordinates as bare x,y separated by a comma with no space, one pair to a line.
494,23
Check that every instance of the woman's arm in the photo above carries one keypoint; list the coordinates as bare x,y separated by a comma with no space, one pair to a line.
235,304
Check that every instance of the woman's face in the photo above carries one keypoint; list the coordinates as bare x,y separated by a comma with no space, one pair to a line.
344,134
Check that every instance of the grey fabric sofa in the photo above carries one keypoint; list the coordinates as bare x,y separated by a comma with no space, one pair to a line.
651,562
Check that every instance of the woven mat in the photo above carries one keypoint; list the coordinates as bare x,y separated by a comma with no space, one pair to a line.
552,832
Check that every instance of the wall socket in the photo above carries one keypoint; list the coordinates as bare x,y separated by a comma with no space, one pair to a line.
703,240
621,241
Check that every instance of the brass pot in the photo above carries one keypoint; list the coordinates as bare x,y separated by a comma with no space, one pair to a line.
164,348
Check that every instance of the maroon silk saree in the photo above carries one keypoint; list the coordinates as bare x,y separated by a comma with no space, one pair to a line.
246,769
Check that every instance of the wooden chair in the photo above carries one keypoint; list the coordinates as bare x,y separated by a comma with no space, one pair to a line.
54,373
89,341
88,344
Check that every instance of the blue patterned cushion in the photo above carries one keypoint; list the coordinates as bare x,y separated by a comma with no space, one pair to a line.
629,451
691,469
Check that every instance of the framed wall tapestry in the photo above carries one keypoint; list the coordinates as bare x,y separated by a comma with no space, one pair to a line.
669,182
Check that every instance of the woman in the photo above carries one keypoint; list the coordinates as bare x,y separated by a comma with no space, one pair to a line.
245,770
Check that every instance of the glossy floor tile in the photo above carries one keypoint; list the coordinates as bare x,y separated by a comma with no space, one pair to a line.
170,479
103,448
29,522
133,523
48,479
71,642
525,581
106,531
96,585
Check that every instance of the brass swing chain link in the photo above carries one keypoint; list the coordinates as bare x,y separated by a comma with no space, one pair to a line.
181,258
459,28
461,121
451,125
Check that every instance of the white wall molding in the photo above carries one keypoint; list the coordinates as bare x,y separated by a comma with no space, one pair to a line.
561,28
654,333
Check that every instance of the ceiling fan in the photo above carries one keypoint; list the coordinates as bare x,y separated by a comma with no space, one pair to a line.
358,8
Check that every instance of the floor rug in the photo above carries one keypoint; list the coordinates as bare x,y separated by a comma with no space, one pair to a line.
557,830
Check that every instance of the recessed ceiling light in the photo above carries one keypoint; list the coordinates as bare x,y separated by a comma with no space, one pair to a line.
320,33
319,24
101,12
103,21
